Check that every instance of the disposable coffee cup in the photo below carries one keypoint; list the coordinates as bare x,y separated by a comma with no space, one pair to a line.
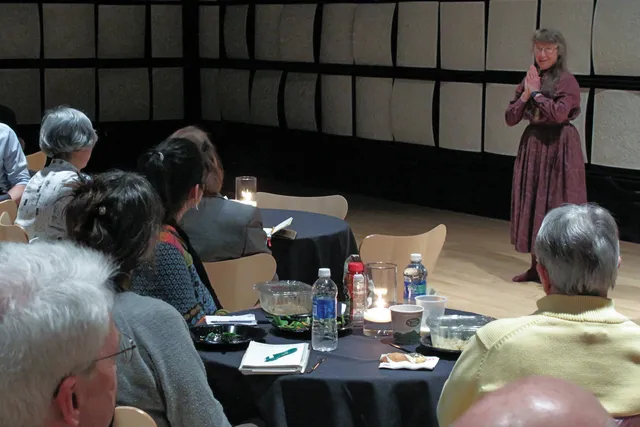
406,320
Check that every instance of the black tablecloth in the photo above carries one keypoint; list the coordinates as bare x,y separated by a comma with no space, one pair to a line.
322,242
347,390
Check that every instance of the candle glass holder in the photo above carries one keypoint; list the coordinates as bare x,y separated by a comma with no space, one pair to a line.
246,188
381,294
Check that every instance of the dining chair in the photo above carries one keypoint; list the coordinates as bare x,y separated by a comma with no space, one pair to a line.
10,232
233,280
128,416
10,207
334,205
398,249
36,161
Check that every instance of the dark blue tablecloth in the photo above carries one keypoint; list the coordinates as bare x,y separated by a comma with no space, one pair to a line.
322,242
347,390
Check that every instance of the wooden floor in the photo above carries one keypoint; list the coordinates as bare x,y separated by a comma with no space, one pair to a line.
478,262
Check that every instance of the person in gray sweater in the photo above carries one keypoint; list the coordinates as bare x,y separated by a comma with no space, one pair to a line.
120,214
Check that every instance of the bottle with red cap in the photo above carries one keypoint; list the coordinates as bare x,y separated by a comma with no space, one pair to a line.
354,268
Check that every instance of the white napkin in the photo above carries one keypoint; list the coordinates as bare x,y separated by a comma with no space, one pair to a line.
428,364
254,362
243,319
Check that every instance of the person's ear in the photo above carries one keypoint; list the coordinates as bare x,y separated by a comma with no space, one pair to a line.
619,261
66,401
544,278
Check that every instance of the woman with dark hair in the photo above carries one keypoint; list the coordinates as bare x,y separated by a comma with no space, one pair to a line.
175,169
120,214
220,229
549,168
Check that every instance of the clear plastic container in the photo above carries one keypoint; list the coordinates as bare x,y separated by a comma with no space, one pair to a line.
285,297
452,332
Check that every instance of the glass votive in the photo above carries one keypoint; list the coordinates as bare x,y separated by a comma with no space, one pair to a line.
381,289
246,188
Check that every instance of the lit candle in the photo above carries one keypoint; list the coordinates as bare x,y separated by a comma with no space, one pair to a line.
379,313
247,198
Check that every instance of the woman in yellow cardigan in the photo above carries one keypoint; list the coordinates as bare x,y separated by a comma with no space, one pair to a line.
576,334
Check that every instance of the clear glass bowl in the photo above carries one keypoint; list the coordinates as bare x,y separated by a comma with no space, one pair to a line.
452,332
285,297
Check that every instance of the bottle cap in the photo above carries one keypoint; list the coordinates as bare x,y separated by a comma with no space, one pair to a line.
355,267
416,257
324,272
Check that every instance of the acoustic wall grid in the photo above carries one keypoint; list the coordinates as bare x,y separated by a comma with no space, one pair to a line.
118,61
425,73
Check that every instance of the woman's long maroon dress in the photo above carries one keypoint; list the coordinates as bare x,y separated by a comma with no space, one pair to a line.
549,167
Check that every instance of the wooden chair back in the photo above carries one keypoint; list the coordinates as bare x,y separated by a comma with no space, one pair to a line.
397,250
10,232
128,416
233,280
335,205
36,161
10,207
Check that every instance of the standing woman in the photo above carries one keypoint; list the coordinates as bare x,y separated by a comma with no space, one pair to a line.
549,167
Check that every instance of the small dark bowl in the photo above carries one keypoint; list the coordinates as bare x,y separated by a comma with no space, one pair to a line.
225,337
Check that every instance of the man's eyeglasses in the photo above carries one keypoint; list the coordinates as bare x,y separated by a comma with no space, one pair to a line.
124,355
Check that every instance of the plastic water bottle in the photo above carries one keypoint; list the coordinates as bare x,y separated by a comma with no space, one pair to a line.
324,331
359,301
415,279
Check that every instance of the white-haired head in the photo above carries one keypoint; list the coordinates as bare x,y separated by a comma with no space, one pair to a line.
579,248
65,130
55,315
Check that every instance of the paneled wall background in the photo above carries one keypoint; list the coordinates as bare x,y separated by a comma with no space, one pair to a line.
403,100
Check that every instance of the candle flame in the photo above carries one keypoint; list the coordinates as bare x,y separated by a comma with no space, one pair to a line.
247,195
380,301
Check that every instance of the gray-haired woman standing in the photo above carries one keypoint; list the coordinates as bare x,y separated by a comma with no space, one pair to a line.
68,137
549,168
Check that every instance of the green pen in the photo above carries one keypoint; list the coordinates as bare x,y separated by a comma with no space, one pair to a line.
279,355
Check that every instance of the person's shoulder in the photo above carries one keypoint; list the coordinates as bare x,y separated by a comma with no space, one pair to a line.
496,331
568,80
7,135
238,212
133,306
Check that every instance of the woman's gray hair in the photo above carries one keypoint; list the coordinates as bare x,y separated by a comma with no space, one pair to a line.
65,130
579,247
55,315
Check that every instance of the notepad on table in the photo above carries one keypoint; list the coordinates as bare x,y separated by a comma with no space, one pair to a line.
243,319
281,230
259,358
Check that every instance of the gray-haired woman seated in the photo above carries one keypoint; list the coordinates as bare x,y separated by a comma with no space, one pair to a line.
67,136
120,214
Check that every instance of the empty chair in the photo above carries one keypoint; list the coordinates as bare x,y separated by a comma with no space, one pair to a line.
10,207
233,280
36,161
397,250
10,232
334,205
128,416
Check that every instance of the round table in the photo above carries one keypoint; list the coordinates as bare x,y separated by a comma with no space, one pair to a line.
322,241
347,390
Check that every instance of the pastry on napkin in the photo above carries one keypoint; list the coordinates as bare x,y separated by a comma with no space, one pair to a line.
412,361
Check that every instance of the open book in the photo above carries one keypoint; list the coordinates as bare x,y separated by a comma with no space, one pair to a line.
281,230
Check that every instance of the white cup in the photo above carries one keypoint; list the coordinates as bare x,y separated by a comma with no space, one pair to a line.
406,320
434,306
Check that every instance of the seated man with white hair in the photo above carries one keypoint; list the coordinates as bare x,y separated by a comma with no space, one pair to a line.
58,343
576,334
68,137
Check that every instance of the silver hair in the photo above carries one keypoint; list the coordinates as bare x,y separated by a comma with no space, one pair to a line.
55,315
65,130
579,247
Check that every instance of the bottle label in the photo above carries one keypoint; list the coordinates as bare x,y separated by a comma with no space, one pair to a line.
413,289
324,308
